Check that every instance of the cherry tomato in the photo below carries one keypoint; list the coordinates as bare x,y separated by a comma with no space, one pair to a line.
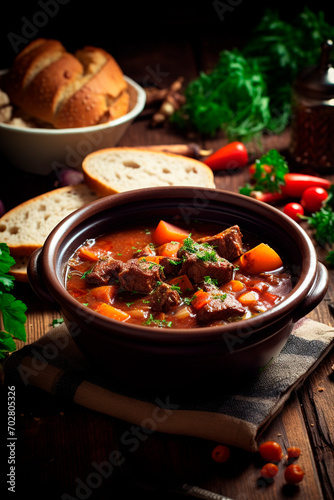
293,474
293,452
269,470
312,198
220,453
271,451
293,210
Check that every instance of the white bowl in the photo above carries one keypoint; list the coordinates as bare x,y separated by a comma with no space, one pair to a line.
43,150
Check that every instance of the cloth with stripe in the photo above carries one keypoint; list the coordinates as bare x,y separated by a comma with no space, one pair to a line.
56,365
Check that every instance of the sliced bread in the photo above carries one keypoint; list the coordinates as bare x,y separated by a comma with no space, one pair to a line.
25,227
113,170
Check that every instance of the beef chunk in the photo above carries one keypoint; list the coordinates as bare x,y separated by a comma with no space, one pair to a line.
220,307
140,276
103,271
171,266
196,269
228,243
147,251
164,298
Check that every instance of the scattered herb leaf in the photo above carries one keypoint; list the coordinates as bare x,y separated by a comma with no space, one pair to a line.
12,310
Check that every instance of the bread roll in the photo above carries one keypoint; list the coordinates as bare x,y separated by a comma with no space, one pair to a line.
64,90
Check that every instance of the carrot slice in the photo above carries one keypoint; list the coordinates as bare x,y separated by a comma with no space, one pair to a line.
200,299
183,282
236,285
169,249
88,254
166,232
111,312
104,293
248,298
260,259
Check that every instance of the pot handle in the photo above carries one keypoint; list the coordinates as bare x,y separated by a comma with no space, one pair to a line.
315,294
35,278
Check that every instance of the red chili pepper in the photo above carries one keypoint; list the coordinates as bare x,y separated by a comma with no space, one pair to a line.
295,184
231,156
267,197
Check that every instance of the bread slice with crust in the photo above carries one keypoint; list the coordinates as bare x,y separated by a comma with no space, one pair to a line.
26,227
113,170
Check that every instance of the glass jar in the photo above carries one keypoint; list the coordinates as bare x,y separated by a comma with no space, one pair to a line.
312,124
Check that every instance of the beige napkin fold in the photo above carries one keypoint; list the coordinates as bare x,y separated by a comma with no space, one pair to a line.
55,364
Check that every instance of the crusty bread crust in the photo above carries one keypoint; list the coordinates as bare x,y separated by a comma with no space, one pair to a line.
25,227
65,90
113,170
93,102
27,63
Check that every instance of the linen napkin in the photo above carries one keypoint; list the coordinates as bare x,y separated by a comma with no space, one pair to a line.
55,364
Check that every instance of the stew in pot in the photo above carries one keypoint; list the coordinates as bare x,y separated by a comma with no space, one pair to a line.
166,277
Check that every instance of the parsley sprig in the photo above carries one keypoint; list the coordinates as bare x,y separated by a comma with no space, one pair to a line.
12,310
268,176
322,223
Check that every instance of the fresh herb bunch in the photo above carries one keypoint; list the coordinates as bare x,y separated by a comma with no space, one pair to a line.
248,92
322,222
289,47
268,175
12,309
232,98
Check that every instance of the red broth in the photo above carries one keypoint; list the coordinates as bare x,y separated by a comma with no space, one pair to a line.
190,287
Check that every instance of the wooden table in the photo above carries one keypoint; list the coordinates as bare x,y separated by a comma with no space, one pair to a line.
58,442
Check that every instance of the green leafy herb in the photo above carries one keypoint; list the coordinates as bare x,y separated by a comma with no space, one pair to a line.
158,322
12,309
86,273
204,252
232,98
210,281
322,222
57,322
188,300
268,175
248,91
221,296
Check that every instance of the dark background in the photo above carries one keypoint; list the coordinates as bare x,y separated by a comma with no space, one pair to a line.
125,25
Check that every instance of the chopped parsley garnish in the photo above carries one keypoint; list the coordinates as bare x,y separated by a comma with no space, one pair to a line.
158,322
203,252
221,296
210,281
86,273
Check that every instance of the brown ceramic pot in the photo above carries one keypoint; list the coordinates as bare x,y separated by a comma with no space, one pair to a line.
165,359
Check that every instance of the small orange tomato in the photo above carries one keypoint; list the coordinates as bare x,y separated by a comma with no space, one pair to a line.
220,453
293,452
269,470
293,474
271,451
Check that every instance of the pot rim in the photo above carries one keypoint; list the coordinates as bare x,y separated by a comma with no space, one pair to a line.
66,302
